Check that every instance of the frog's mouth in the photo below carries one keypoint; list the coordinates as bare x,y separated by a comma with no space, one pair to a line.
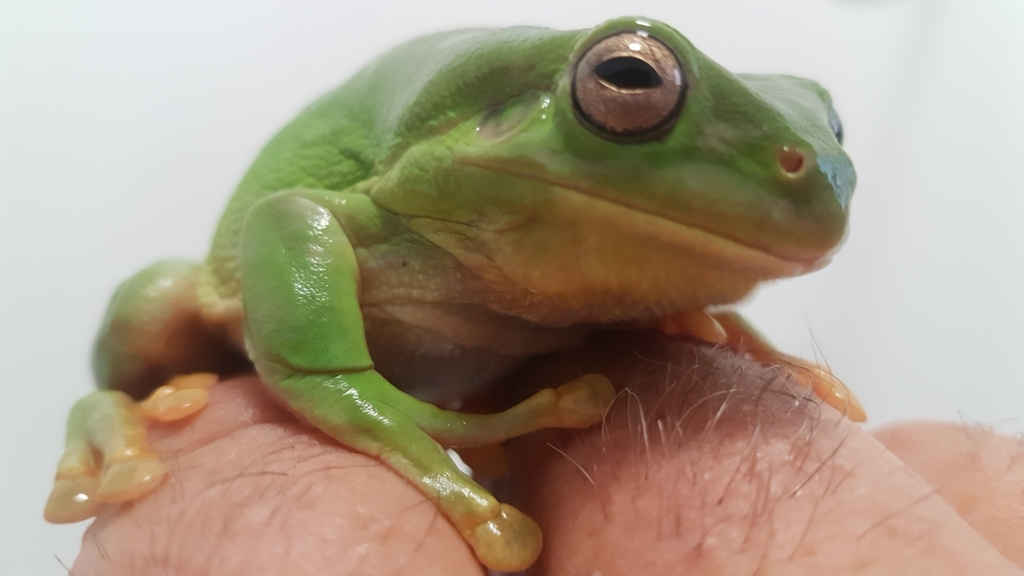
715,247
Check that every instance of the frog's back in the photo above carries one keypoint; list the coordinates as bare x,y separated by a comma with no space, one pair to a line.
419,89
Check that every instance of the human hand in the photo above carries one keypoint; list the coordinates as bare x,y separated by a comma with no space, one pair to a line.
706,465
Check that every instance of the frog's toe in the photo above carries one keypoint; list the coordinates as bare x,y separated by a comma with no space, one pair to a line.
694,323
72,500
509,542
105,459
828,388
583,401
130,479
179,398
78,493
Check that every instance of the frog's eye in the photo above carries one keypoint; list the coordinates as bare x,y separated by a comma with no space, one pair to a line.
836,125
628,88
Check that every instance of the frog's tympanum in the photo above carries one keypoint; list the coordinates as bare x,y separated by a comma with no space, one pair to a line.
467,201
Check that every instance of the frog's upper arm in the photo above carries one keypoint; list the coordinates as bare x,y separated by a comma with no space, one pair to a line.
300,283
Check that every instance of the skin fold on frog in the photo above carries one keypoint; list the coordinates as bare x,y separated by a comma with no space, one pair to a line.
467,201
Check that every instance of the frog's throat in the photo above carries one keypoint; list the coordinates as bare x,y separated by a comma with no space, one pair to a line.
708,240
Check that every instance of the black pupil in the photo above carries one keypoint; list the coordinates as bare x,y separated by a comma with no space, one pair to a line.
628,72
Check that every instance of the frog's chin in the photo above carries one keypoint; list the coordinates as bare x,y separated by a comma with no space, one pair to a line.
714,246
567,257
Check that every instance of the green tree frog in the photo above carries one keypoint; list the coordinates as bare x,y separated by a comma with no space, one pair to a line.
467,201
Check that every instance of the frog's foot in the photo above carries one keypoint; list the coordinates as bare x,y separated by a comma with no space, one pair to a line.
502,537
579,403
181,397
819,380
508,542
733,332
821,383
105,459
695,323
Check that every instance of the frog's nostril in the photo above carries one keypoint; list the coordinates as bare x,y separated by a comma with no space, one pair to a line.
791,161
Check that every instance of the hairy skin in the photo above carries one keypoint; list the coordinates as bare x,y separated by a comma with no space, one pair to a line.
979,468
719,466
705,465
253,491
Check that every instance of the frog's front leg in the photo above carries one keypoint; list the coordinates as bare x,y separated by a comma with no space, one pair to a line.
731,330
304,330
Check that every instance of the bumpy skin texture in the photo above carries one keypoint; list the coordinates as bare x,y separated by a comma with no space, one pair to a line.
451,211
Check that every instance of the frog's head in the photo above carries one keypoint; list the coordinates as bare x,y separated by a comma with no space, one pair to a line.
643,170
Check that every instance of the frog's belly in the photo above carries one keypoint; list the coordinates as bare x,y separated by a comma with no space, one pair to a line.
431,366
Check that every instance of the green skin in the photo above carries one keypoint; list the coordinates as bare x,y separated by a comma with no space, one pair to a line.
445,215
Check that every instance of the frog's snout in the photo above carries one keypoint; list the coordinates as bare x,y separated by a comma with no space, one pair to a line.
791,161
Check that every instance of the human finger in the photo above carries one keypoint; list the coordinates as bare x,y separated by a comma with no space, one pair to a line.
708,464
978,471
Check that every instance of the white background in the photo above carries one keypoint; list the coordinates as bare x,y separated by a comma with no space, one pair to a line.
125,125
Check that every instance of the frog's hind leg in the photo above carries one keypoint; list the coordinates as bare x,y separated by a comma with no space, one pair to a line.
105,458
732,331
153,331
156,329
